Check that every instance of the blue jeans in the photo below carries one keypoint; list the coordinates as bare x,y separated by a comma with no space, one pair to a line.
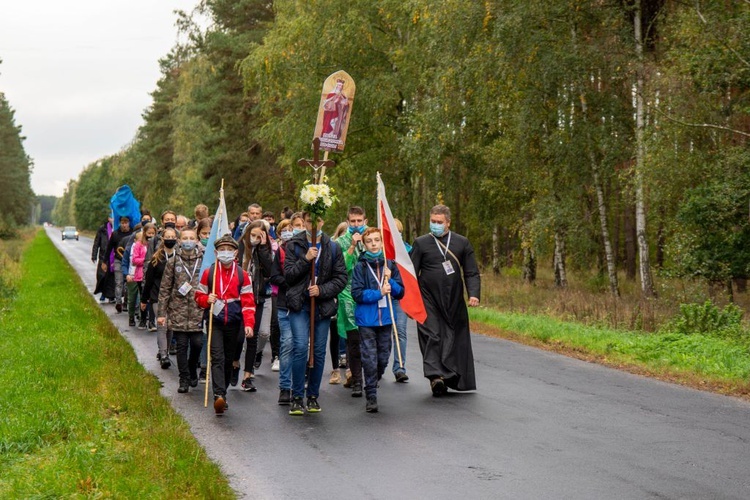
401,329
285,349
300,322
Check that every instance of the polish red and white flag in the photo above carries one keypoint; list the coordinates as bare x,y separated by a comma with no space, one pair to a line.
395,250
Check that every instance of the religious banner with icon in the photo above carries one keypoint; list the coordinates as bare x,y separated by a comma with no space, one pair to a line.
335,110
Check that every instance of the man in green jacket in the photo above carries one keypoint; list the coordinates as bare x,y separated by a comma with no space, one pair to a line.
351,246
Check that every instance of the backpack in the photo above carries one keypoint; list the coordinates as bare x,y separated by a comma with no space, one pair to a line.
240,276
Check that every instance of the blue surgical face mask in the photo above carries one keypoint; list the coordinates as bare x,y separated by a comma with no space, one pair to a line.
286,235
188,245
376,255
357,229
296,231
309,234
437,229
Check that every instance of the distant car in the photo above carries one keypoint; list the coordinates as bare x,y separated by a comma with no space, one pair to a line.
69,232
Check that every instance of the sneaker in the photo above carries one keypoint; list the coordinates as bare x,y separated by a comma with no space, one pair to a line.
202,376
312,405
111,301
372,405
297,407
118,307
193,382
402,377
142,324
285,396
349,380
131,322
183,388
275,365
102,299
335,377
220,404
235,376
165,362
258,359
151,326
248,386
356,390
438,387
342,361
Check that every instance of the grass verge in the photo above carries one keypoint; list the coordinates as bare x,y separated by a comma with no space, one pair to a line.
79,416
696,360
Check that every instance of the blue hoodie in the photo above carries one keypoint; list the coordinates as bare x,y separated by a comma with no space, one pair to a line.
366,291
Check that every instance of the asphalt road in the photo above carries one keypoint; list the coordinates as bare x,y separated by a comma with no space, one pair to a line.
540,426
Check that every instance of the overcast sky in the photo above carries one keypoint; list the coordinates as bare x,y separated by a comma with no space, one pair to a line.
78,74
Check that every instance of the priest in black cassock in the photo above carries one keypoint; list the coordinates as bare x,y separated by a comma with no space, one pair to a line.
443,260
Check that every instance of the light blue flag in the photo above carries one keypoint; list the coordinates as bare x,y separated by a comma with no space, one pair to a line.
219,228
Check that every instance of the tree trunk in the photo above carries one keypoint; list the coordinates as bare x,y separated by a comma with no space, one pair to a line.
561,278
609,255
529,264
630,237
647,284
495,249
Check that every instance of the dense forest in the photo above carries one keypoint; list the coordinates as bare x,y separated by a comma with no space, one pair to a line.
580,134
17,203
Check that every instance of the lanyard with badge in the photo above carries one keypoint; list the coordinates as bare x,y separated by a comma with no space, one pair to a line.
219,304
186,287
381,281
447,265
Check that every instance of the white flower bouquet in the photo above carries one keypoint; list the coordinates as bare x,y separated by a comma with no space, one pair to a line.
317,199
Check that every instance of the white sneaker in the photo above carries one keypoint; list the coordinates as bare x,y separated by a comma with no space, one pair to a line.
275,364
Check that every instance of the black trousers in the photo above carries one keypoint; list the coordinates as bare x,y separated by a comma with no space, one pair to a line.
354,355
333,343
223,343
192,341
275,330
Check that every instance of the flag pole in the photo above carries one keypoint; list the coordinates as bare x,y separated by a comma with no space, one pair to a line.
390,300
395,332
211,312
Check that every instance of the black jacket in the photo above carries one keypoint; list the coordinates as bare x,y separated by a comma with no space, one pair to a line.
115,243
101,240
332,276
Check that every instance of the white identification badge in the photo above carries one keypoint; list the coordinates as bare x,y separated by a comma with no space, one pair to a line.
218,307
383,303
185,288
448,267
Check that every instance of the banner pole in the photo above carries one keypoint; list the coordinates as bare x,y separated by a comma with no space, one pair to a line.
211,312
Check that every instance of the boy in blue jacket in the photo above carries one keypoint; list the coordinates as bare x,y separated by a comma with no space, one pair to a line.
373,278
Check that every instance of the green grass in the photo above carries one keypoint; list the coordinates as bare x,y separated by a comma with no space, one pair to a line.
79,417
695,359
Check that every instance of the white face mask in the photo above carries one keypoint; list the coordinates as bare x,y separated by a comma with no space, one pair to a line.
225,256
254,241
